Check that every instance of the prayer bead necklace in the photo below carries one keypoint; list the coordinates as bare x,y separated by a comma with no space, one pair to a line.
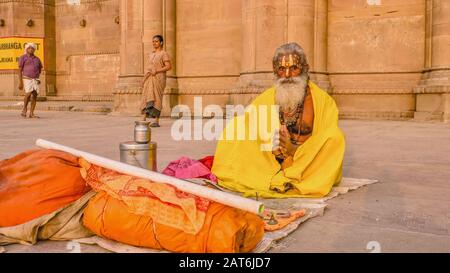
291,123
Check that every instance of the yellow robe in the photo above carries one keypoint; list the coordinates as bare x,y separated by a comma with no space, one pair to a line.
243,165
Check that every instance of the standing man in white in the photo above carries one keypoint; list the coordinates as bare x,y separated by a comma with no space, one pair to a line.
30,68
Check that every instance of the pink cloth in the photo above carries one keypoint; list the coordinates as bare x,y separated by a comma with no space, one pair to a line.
186,168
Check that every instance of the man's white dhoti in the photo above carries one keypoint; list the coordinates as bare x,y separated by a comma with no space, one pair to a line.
30,85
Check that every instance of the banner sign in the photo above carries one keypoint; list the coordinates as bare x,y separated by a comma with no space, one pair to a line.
11,48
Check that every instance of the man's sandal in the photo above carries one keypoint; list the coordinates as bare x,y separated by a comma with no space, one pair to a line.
154,125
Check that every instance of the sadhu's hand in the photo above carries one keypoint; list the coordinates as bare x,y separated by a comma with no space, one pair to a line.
20,85
287,147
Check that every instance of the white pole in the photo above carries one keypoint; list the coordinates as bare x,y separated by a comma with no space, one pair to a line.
208,193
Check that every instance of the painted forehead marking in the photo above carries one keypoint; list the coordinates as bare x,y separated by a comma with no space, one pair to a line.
293,60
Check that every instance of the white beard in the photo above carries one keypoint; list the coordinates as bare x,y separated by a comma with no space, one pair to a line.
290,92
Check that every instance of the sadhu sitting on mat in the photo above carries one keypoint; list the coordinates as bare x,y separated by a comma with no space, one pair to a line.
302,151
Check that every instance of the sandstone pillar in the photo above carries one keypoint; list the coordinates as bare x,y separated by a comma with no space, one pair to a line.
128,89
319,72
307,25
268,24
50,49
433,93
264,25
170,99
209,47
140,21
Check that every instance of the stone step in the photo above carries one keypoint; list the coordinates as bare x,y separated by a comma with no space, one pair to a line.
19,98
86,98
72,106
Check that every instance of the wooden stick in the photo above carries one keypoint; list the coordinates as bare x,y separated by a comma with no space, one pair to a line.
208,193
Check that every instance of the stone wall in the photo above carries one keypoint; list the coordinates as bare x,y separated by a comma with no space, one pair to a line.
433,92
79,61
16,25
87,57
209,48
378,58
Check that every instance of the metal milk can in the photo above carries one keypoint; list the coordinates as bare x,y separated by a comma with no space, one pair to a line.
142,132
141,155
141,152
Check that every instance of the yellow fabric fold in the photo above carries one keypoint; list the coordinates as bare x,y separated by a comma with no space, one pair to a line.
245,162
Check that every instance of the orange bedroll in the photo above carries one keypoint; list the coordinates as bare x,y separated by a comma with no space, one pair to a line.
225,229
38,182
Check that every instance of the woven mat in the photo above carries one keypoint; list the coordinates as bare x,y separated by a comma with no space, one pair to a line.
314,207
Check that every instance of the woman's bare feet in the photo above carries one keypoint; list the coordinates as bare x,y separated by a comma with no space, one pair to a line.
24,114
33,116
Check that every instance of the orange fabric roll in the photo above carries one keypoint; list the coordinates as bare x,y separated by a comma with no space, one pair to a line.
38,182
109,218
225,230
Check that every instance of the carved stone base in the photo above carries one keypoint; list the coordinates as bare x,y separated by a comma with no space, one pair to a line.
353,105
9,84
322,80
376,115
260,80
433,96
127,102
376,106
433,104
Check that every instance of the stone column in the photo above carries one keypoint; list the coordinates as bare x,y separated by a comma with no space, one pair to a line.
268,24
152,24
307,26
128,89
170,98
319,73
140,21
50,48
209,47
263,30
433,93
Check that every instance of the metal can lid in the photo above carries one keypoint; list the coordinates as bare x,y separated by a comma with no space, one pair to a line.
141,122
131,145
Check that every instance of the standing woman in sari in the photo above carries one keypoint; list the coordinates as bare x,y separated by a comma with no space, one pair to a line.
155,81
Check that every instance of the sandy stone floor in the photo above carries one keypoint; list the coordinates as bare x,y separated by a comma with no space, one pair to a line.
408,211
